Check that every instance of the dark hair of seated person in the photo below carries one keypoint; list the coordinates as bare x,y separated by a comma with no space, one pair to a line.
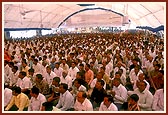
48,106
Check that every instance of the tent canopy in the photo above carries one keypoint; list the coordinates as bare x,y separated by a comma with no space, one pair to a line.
71,14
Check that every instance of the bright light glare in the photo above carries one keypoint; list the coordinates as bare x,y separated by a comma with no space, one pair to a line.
45,32
22,34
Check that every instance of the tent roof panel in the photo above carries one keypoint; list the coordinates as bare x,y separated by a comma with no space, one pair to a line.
50,15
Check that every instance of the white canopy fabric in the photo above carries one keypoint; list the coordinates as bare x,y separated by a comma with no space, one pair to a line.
70,14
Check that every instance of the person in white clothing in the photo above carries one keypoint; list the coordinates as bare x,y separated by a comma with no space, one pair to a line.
7,71
24,82
66,100
73,71
37,99
64,65
65,78
32,76
152,52
49,75
24,67
109,66
7,95
43,67
149,64
119,93
78,87
158,100
141,77
16,58
37,67
99,76
122,77
108,104
133,75
145,96
120,66
94,61
82,103
58,70
14,76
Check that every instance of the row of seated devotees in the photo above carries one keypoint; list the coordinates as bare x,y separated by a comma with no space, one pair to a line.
115,66
80,97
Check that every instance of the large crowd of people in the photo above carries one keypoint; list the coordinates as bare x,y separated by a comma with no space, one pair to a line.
85,72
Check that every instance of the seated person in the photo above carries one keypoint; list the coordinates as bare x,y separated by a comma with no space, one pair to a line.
82,103
98,94
78,87
42,84
24,83
131,104
48,106
54,96
66,100
36,100
108,104
7,95
119,93
19,101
